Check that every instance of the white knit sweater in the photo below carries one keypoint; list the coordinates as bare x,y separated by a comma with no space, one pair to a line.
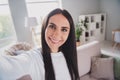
31,63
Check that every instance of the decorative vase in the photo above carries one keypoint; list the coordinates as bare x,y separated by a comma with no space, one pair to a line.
78,43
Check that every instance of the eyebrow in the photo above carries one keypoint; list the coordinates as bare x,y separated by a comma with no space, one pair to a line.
66,27
52,24
62,26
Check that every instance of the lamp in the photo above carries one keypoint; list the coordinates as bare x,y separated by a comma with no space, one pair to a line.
32,23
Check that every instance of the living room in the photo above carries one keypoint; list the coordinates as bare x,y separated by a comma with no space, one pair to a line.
81,7
111,8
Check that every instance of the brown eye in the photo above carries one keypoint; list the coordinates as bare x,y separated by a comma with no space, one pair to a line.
64,30
52,26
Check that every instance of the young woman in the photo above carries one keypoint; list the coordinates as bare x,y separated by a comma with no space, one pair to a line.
57,59
58,35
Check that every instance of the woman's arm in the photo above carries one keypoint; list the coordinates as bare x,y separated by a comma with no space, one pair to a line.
27,63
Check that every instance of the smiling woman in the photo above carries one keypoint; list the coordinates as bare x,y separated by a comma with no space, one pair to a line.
55,60
58,35
57,32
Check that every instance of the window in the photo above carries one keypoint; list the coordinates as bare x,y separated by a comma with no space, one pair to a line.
7,32
39,9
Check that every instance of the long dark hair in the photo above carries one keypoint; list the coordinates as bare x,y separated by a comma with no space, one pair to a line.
68,48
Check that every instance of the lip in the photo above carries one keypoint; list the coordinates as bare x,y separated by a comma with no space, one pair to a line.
54,41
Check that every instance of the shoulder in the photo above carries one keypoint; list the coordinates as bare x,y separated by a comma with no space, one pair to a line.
35,52
21,64
26,57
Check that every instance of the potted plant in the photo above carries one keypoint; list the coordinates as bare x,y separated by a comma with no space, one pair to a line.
78,33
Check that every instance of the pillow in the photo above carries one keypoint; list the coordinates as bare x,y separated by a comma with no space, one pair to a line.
102,68
20,46
117,68
88,77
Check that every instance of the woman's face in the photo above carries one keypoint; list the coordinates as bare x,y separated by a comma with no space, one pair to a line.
57,32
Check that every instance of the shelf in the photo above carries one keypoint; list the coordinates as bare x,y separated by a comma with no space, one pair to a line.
96,24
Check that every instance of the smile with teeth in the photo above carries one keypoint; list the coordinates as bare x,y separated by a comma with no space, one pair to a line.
54,40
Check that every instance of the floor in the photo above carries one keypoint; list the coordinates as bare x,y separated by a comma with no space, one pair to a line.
106,48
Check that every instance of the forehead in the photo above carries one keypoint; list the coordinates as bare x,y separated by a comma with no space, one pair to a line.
59,19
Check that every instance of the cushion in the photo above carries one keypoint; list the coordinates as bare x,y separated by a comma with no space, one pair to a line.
18,48
117,68
88,77
102,68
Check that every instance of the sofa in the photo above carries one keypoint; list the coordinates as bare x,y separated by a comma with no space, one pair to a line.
91,64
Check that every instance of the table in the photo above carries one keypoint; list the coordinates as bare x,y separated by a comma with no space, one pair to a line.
113,33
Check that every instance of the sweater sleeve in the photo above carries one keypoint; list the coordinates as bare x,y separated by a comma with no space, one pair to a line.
28,63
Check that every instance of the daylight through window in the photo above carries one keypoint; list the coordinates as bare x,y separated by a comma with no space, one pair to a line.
7,32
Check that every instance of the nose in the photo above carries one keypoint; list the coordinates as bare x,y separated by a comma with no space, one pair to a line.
57,34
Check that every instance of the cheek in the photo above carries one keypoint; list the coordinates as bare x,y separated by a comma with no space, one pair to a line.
47,32
65,37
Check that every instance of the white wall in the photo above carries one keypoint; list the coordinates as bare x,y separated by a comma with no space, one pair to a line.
78,7
112,8
19,12
75,7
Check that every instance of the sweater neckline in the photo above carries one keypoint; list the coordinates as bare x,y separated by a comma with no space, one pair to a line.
56,54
